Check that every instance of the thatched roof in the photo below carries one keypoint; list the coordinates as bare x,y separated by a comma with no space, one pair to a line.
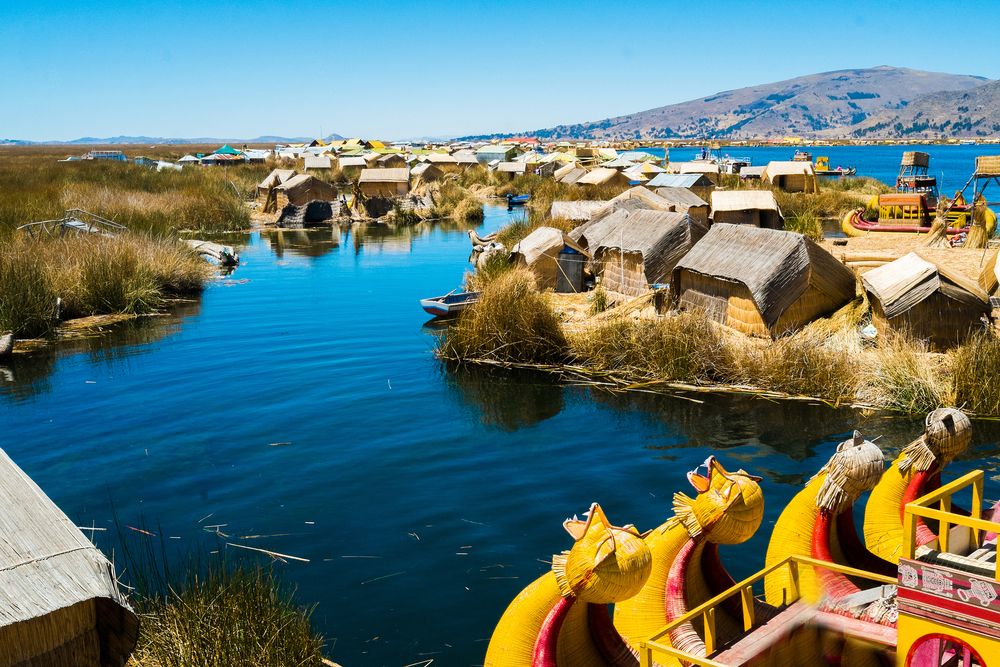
744,200
444,158
646,195
598,176
276,177
788,168
545,241
776,266
696,167
909,280
512,167
681,199
48,565
572,175
576,210
661,237
393,175
610,208
317,162
679,181
352,161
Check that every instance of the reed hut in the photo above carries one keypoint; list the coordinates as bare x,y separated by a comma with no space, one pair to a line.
512,169
791,176
926,300
540,250
635,249
682,200
384,182
756,208
604,177
708,169
391,161
59,599
448,164
301,189
578,211
317,163
763,282
700,184
265,189
569,174
425,172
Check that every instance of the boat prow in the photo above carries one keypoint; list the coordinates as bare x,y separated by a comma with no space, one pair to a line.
450,304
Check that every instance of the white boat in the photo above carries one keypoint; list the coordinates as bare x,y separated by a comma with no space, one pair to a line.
450,304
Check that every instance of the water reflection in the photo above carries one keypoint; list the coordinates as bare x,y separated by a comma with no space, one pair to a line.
26,374
508,401
303,242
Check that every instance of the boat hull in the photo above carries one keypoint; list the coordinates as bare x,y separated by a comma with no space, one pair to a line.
854,224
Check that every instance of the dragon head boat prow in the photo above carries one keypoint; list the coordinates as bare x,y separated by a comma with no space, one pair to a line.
729,506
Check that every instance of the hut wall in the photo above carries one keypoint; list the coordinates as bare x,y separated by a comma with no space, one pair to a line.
384,189
750,217
622,274
699,214
280,200
940,320
724,301
811,305
794,183
67,636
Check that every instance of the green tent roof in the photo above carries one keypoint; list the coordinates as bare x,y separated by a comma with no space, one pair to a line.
227,150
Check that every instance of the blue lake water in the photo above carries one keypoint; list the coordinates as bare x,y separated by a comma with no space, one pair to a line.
952,165
298,408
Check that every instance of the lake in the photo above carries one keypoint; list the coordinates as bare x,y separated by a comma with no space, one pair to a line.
298,407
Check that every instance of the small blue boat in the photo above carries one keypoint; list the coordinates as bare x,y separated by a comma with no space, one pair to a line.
450,304
516,200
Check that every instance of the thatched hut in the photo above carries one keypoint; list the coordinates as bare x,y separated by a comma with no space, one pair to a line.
384,182
425,172
265,189
301,189
513,169
757,208
926,300
791,176
317,163
683,200
700,184
709,169
391,161
763,282
604,176
578,211
635,249
59,600
351,165
539,251
448,164
569,174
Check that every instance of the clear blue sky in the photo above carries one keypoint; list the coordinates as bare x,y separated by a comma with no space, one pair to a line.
404,69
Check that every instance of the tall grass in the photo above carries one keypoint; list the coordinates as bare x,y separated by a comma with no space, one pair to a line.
132,274
975,374
800,365
686,348
511,323
225,615
509,235
899,377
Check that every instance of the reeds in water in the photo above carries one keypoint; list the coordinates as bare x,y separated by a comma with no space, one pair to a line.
899,376
975,372
511,323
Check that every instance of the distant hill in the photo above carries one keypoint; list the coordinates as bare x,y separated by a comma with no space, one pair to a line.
124,140
962,113
814,105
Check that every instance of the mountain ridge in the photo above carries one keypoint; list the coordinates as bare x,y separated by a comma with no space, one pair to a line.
813,105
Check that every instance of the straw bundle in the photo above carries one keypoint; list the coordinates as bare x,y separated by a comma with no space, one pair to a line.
947,433
988,165
854,468
606,564
729,515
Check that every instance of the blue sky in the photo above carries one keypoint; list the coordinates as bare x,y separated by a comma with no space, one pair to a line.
405,69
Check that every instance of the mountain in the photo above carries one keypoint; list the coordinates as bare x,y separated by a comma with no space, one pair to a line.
265,139
804,106
962,113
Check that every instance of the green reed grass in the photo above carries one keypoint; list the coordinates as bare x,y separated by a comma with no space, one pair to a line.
975,373
511,323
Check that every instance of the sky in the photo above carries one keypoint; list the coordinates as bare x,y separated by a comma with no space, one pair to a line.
399,70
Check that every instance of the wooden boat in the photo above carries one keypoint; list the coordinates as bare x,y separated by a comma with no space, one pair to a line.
450,304
822,168
516,200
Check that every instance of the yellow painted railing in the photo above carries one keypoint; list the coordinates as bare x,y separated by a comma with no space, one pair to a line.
652,648
923,507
